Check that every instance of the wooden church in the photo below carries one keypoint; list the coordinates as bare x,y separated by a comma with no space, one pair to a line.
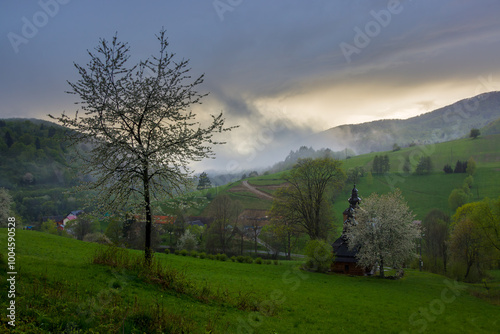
345,261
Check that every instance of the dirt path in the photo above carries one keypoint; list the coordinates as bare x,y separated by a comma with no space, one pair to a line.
256,191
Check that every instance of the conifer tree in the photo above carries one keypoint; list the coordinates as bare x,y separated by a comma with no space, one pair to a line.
204,182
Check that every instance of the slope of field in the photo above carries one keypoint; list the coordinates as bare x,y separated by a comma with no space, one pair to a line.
423,192
59,290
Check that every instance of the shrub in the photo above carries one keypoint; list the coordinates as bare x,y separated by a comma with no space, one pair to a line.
240,259
183,252
167,251
222,257
233,258
176,252
202,255
468,182
187,241
319,255
258,260
276,262
97,237
193,253
248,259
269,261
211,256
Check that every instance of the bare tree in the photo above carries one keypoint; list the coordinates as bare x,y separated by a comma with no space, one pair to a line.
222,230
435,233
304,200
284,233
253,220
141,127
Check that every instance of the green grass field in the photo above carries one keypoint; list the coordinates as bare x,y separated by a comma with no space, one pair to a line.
58,289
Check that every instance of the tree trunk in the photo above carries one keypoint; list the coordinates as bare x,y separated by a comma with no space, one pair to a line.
255,242
241,245
289,256
147,206
382,275
468,270
444,257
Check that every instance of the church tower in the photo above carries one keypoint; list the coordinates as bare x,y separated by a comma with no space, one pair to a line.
345,261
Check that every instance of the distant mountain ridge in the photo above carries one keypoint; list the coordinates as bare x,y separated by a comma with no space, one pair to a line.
443,124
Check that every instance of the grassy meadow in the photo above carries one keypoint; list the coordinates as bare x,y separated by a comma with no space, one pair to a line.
60,290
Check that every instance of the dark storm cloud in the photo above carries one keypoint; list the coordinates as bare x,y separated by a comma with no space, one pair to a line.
262,57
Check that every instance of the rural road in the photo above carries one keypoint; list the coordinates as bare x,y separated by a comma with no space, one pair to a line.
256,191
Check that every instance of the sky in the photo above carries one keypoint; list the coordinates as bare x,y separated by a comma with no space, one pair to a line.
281,69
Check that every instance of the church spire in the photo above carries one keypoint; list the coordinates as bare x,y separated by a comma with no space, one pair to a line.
348,213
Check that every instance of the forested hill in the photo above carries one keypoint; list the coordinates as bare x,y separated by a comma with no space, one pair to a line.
34,152
444,124
35,167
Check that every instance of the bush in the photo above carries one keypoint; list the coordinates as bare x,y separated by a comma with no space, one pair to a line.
269,261
240,259
187,241
319,255
248,259
276,262
193,253
468,182
211,257
457,271
258,260
233,258
183,252
202,255
97,237
167,251
176,252
221,257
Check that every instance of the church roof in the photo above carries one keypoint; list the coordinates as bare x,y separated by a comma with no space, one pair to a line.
342,252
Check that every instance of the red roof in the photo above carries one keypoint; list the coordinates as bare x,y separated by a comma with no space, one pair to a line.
158,219
164,219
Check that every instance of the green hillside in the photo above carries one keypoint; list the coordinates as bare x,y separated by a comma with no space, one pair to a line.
492,128
37,168
423,192
59,290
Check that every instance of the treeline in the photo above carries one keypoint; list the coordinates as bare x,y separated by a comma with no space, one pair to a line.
381,164
466,245
460,167
38,169
34,154
308,152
